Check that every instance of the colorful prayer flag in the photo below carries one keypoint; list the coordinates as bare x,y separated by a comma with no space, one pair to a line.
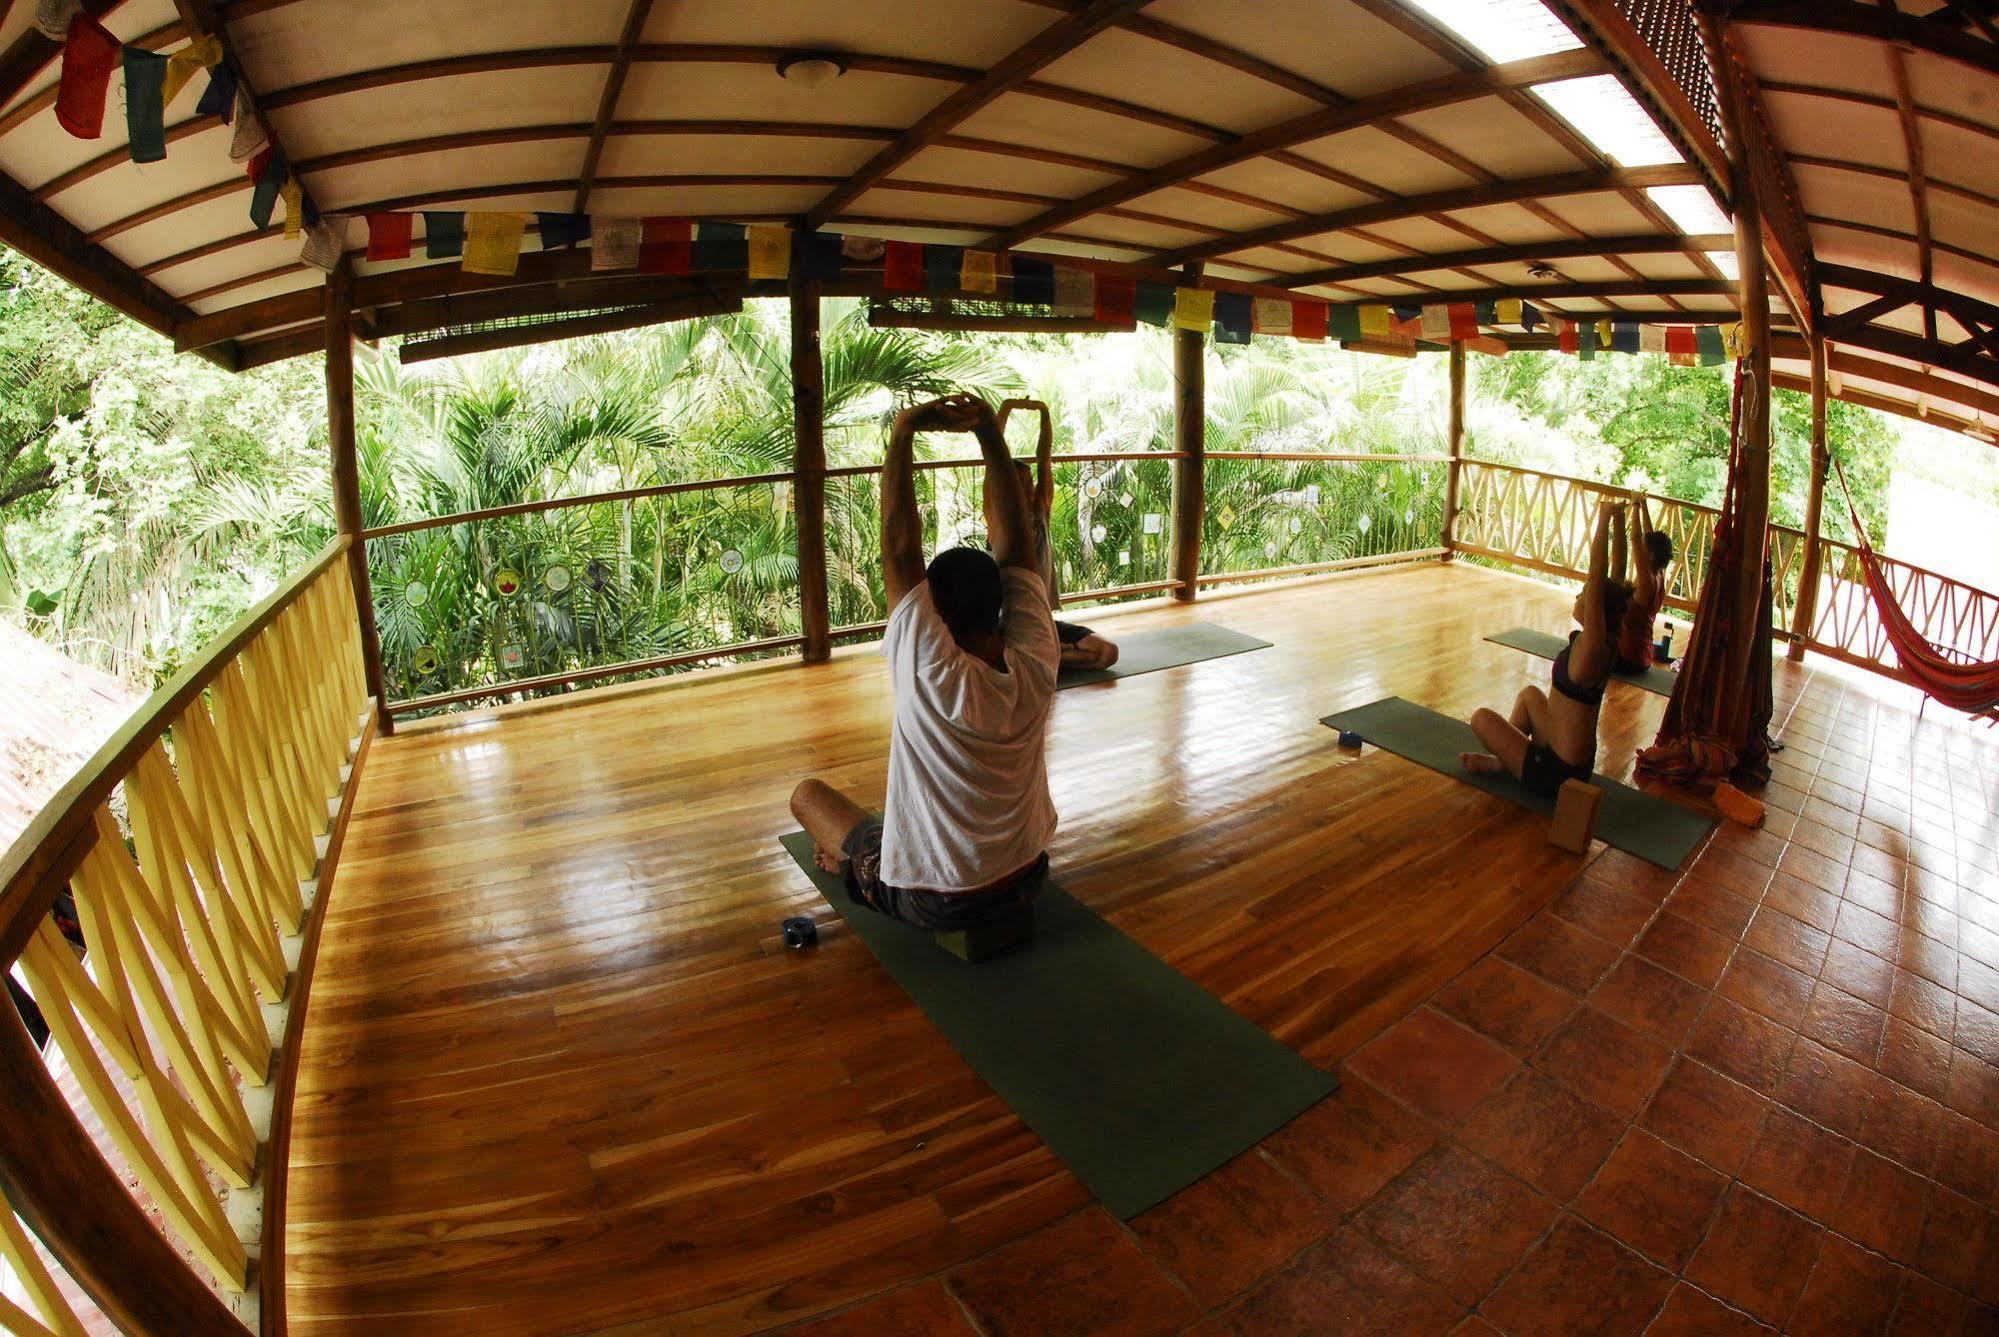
389,236
294,197
219,98
615,242
1508,311
493,242
943,266
1033,281
563,230
1376,321
145,112
1567,337
325,242
1624,336
88,56
666,246
1193,309
1530,316
1346,323
978,271
1075,291
271,175
1434,324
822,256
1271,315
1731,339
185,63
1707,344
1309,320
1155,302
902,266
443,234
1651,338
249,137
1680,341
1464,321
1232,317
770,251
1487,312
721,246
52,17
1117,299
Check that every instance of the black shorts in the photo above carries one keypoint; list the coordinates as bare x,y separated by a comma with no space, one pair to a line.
938,910
1071,634
1545,770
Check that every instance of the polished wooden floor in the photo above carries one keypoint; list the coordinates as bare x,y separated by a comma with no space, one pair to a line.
560,1076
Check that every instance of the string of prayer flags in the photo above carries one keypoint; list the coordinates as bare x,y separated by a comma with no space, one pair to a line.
1270,315
269,171
1155,301
443,235
721,246
561,230
943,267
823,251
1309,319
1193,308
1117,300
187,62
978,271
770,251
89,54
902,266
1033,281
389,236
493,242
615,243
1232,317
145,107
294,198
666,246
219,98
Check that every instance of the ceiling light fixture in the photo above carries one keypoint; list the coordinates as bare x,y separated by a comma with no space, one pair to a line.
1540,270
811,70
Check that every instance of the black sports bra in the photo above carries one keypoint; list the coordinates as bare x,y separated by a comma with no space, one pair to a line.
1569,687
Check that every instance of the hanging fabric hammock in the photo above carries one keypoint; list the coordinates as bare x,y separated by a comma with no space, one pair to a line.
1717,729
1943,675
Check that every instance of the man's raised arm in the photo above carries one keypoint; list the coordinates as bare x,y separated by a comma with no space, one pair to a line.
902,521
1013,540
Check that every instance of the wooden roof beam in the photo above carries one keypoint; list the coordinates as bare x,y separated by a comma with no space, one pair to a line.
1026,61
1846,363
1912,147
1880,23
1915,348
1427,95
607,103
1900,292
1571,249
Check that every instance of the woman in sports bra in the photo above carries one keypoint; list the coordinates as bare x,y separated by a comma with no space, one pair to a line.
1551,736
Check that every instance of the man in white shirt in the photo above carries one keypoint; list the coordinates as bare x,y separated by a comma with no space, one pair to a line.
972,657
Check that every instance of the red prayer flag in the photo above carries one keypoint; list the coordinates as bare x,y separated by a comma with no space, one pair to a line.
1308,320
666,246
1571,341
1464,321
257,162
902,266
1117,300
1680,339
389,236
88,57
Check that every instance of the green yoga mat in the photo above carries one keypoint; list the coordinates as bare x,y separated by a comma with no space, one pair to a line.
1654,829
1540,643
1167,647
1137,1078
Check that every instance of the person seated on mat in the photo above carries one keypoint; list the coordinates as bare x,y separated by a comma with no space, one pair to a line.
972,661
1550,738
1081,646
1650,574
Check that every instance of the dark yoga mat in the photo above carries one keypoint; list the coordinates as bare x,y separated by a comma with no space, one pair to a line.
1654,829
1167,647
1654,679
1139,1079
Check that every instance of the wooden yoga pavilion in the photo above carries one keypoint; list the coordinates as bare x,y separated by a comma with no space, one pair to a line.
403,1011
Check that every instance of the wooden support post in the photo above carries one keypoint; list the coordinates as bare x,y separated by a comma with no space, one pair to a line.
347,477
1457,447
1190,439
54,1177
808,460
1805,613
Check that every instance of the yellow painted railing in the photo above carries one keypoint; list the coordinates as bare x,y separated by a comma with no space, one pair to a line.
194,846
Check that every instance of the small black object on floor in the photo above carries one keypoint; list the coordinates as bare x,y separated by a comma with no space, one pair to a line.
800,932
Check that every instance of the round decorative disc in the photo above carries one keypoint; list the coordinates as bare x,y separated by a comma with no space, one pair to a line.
732,561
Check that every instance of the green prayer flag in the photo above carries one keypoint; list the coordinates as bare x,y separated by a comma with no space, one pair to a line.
443,234
145,104
1343,323
1155,302
269,182
1707,342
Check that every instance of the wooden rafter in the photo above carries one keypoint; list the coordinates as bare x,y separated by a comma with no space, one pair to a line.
1894,343
1883,24
1860,99
1844,363
1893,293
1912,146
1572,249
1426,95
1019,66
607,103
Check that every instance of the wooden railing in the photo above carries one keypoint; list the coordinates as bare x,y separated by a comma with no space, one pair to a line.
195,847
1543,522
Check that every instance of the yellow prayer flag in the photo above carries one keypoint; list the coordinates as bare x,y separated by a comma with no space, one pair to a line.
1508,311
1603,330
187,62
770,251
1376,321
1731,338
294,196
1193,309
493,243
978,272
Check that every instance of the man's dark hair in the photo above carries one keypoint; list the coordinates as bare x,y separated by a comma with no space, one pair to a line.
965,586
1661,548
1616,599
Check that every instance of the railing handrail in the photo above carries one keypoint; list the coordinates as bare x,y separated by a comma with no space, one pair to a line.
32,867
1327,456
563,503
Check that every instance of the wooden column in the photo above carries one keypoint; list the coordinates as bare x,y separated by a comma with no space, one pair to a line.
808,458
1457,446
1190,438
55,1179
347,476
1806,611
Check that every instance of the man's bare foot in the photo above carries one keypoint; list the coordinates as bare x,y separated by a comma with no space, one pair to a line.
831,861
1480,763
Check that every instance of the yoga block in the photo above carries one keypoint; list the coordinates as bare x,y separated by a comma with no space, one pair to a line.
1737,806
990,938
1350,739
1575,816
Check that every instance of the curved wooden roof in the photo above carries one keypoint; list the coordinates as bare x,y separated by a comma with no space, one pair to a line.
1349,148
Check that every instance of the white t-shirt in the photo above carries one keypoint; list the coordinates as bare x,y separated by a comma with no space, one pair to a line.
967,768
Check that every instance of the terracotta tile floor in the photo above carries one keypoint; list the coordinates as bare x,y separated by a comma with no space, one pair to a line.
1762,1093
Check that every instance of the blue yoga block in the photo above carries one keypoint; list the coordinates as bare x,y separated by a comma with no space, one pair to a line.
1350,739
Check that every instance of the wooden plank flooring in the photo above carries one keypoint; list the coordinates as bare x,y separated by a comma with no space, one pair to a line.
560,1076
